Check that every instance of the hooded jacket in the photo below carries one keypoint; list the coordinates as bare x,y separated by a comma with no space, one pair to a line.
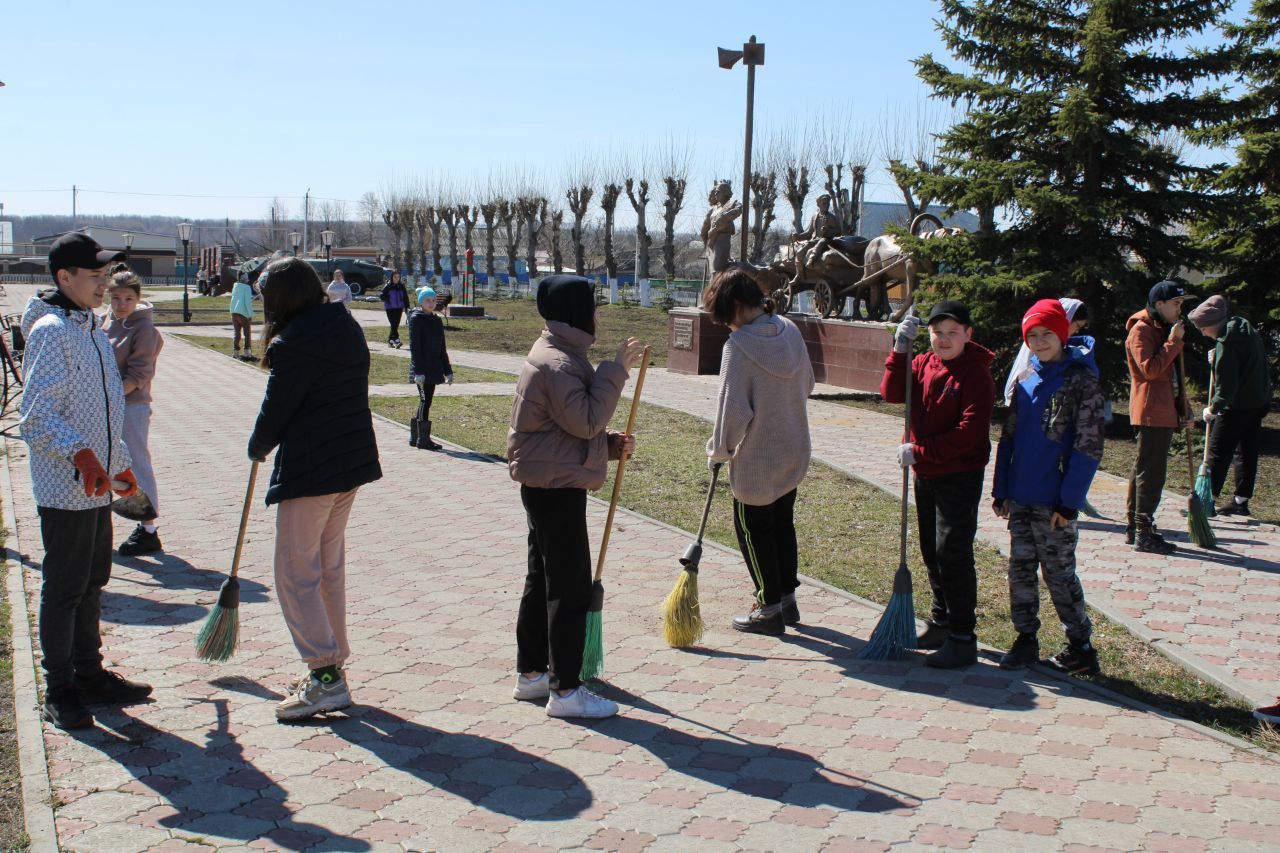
72,400
427,354
762,417
242,298
951,403
1241,380
316,408
558,437
137,344
1051,443
1153,379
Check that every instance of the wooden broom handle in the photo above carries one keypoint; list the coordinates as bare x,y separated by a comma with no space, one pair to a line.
1186,405
244,518
622,465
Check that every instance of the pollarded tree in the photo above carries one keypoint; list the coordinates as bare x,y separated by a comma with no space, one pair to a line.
638,195
448,215
1064,105
489,212
579,198
609,204
1242,232
671,206
790,158
392,216
512,229
533,211
557,257
764,198
467,215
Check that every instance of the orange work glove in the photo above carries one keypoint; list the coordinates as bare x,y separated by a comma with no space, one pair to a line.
126,479
92,475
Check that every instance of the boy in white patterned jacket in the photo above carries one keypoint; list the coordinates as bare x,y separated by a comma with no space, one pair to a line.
73,423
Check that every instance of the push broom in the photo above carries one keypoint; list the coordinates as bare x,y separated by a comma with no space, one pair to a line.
1204,478
681,615
593,649
217,639
1197,518
895,634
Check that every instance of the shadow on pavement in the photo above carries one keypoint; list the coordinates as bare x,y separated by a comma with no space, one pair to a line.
244,803
726,760
123,606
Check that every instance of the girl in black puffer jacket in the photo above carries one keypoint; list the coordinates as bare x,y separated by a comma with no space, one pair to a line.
316,412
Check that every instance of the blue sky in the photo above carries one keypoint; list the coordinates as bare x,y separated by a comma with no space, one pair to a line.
266,99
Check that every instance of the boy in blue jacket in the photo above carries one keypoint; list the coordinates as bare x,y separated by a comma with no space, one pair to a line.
1048,453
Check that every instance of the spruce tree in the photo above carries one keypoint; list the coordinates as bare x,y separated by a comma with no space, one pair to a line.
1243,231
1066,106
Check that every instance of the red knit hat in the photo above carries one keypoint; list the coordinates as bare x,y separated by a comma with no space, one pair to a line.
1050,314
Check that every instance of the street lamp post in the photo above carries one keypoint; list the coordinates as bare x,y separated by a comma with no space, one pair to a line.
296,239
184,234
752,54
326,237
128,246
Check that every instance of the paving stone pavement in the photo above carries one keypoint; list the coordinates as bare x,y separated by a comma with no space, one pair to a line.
745,742
1215,612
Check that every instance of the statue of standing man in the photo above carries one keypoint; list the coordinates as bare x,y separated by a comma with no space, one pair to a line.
717,228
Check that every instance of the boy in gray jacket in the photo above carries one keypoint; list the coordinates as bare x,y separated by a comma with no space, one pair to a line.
73,423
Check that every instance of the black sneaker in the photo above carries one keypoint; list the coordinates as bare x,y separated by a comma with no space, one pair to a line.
932,637
1234,508
110,688
1150,542
954,654
756,622
63,708
140,542
791,613
1076,660
1025,651
1130,533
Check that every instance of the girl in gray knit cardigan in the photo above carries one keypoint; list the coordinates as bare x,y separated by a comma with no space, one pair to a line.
762,432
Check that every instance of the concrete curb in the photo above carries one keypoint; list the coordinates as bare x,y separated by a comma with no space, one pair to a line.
33,762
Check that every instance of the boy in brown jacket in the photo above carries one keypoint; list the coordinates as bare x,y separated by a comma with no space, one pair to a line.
558,448
1152,348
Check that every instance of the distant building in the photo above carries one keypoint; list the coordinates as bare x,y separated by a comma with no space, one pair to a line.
151,254
877,216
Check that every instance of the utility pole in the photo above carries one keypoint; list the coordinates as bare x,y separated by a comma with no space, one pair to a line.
306,218
73,205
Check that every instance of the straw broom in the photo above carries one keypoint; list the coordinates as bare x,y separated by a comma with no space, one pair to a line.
1197,519
681,614
895,634
221,632
593,649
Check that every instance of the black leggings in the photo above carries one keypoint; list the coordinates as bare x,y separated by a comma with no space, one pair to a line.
426,393
393,317
551,629
767,539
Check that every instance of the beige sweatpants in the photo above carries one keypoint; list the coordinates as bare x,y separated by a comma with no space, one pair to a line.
310,572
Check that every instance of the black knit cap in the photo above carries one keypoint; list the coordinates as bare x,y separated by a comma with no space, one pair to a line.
568,299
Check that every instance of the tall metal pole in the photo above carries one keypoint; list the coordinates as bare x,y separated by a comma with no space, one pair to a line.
746,159
186,272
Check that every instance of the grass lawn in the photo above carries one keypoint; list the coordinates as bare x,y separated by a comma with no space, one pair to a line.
13,834
1121,448
383,369
518,325
668,478
205,311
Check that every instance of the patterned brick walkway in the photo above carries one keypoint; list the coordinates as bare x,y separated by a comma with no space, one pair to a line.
745,743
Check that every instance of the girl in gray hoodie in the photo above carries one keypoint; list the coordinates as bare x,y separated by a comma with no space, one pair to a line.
762,432
137,344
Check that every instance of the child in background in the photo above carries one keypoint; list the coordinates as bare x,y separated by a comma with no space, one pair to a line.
762,431
137,344
242,315
395,299
1050,448
339,291
558,448
952,396
428,365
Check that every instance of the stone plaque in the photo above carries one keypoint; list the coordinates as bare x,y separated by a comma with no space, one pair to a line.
682,332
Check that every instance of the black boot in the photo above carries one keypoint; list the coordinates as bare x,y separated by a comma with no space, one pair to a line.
413,432
424,437
954,654
1234,507
1025,651
1148,541
1076,660
756,622
63,708
933,636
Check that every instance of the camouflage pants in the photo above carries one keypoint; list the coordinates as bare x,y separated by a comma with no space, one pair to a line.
1033,546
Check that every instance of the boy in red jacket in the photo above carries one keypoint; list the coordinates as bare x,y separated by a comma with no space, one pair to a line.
952,395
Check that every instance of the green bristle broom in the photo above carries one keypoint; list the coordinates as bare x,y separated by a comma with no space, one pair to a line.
1197,517
593,649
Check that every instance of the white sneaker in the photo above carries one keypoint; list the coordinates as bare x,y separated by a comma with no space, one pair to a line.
314,697
532,688
581,703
